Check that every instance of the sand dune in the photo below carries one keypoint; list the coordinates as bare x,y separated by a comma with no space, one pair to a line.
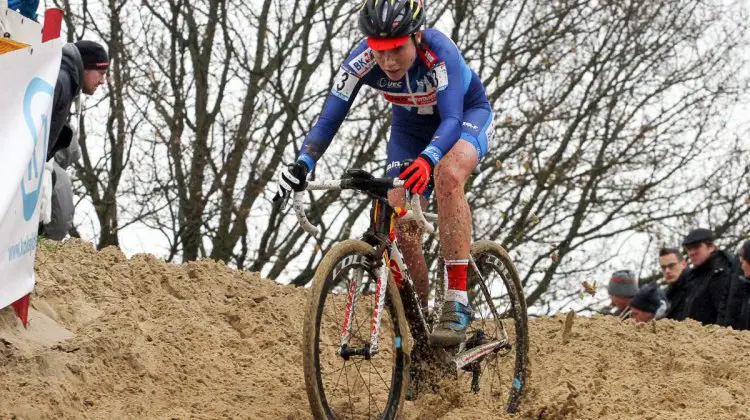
111,337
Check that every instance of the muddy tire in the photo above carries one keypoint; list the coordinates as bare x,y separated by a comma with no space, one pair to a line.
492,257
321,337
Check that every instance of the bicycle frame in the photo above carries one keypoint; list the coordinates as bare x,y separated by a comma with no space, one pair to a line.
392,263
382,235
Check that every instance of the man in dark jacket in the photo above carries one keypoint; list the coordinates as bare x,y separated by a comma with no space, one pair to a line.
708,280
82,69
672,264
737,313
674,268
676,296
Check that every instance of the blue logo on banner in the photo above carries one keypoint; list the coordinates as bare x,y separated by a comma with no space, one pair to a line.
35,171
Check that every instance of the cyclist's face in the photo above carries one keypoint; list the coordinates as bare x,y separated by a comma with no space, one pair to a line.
396,61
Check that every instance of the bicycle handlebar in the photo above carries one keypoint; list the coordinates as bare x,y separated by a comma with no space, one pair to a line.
416,213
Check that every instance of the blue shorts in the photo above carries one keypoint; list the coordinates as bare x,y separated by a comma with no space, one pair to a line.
409,139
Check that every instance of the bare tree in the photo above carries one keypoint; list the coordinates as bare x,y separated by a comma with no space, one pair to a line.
611,129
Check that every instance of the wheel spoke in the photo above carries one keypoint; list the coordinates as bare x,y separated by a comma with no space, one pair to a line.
381,377
369,394
343,368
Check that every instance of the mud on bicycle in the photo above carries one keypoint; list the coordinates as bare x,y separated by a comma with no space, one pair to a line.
366,335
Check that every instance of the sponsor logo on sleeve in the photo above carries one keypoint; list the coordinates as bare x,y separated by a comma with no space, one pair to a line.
363,63
433,153
428,57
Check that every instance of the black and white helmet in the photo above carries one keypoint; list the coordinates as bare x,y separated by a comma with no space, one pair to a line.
391,18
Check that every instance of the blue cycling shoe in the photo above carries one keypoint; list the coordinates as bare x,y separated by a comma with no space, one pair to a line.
451,328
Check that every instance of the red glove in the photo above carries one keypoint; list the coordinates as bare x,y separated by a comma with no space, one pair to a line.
417,175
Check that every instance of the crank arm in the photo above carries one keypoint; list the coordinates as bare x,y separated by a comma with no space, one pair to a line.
467,357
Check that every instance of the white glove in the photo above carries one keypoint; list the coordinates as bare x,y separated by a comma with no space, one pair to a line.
291,179
45,193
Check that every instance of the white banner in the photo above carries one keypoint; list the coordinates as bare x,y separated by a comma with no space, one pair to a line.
27,78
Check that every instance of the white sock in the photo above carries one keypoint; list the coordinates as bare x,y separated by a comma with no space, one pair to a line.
460,296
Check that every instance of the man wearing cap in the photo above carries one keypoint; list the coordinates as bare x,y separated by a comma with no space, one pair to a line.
649,303
622,287
83,68
708,280
737,314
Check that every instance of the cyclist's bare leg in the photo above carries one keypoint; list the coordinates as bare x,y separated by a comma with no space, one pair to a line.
409,236
454,220
454,214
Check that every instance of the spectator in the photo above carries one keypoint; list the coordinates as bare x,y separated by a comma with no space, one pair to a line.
738,303
672,264
674,267
82,69
622,287
649,303
707,281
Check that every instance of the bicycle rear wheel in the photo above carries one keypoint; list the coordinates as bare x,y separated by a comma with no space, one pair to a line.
356,387
501,375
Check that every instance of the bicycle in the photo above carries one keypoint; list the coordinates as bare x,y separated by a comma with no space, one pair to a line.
342,336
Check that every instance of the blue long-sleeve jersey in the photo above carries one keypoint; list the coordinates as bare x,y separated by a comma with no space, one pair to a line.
433,94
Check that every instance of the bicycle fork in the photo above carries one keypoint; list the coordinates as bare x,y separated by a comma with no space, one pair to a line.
369,349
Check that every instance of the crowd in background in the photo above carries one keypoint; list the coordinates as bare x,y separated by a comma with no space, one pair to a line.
714,288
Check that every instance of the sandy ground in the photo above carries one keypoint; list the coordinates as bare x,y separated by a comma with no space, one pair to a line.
116,338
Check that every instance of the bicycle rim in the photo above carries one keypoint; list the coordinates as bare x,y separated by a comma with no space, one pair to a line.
357,388
503,375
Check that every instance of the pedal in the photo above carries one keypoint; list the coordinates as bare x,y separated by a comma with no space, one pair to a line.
476,339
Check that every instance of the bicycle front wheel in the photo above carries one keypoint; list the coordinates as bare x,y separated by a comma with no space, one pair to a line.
502,376
341,381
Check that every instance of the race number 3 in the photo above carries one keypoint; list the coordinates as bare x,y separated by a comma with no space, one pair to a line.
344,84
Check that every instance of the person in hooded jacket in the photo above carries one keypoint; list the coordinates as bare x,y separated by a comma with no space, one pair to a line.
83,68
737,314
708,280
